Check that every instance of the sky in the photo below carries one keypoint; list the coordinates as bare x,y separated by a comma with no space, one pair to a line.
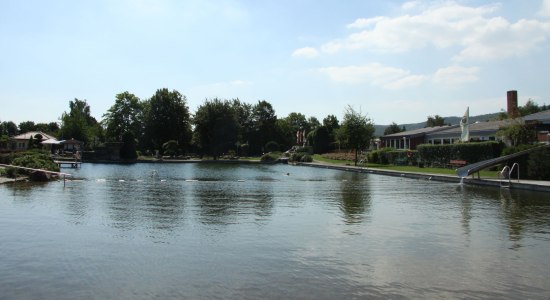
394,61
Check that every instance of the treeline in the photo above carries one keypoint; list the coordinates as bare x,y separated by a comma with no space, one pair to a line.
163,124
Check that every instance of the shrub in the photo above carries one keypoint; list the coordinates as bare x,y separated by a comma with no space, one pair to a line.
300,157
269,157
34,160
539,164
379,156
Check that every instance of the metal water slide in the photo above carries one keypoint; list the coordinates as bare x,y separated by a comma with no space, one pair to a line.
463,172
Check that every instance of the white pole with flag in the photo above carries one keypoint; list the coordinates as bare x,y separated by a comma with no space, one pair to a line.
464,125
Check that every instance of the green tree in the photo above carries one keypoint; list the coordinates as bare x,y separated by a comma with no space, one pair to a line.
320,139
51,128
434,121
126,115
264,126
216,127
313,123
332,124
166,117
8,128
393,128
529,108
129,146
358,130
297,122
517,133
79,124
243,113
27,126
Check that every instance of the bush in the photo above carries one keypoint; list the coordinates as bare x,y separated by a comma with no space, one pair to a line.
300,157
380,156
270,157
34,160
539,164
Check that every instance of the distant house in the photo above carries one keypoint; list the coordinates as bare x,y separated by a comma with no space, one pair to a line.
541,123
72,145
410,139
479,131
21,142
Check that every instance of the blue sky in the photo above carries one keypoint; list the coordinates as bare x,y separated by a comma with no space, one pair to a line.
393,60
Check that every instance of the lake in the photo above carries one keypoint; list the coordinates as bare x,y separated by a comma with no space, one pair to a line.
215,231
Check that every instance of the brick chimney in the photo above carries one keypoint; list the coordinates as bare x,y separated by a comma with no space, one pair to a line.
513,110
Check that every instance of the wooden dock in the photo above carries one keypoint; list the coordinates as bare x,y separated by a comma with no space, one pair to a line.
68,163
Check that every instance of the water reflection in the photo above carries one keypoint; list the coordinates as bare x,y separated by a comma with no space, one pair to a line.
258,232
355,197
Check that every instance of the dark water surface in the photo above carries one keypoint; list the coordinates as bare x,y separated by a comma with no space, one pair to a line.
252,232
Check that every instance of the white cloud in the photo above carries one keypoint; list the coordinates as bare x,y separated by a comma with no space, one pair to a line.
474,30
374,74
456,75
545,9
307,52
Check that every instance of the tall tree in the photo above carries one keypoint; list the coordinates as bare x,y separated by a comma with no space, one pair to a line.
264,126
79,124
166,117
216,127
434,121
243,112
126,115
320,139
358,130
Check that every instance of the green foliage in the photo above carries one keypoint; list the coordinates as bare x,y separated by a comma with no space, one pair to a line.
517,134
470,152
270,157
320,139
434,121
300,157
79,124
539,164
8,128
129,145
393,128
35,160
358,130
166,117
216,127
272,146
125,116
170,147
379,156
264,126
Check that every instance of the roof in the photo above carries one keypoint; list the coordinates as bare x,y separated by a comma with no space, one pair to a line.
542,116
417,132
71,141
51,142
27,135
478,128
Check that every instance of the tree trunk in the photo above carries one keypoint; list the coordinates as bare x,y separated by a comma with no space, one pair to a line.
356,157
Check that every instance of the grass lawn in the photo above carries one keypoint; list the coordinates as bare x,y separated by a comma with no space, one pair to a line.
441,171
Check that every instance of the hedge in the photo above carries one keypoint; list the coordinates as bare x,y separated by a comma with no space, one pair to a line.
470,152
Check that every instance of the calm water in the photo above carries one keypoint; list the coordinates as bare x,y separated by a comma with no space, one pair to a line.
254,232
